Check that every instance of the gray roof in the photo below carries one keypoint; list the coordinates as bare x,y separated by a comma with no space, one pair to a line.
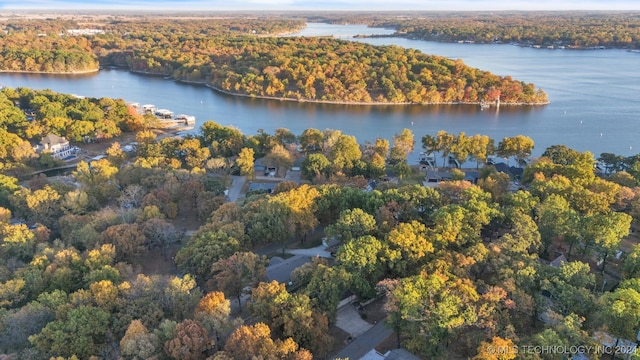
401,354
262,186
53,139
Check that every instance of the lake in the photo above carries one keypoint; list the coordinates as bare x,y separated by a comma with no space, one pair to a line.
594,94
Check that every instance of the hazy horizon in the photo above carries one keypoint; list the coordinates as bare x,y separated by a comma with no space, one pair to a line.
357,5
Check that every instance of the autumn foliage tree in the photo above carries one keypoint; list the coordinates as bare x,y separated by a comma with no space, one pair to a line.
190,341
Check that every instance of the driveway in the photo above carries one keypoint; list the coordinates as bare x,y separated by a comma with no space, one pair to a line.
365,342
237,182
312,252
350,321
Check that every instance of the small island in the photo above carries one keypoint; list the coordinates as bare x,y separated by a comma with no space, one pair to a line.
244,57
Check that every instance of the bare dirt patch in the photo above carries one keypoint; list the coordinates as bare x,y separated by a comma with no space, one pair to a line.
154,263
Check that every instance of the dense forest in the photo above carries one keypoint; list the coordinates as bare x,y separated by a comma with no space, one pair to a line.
463,269
576,29
241,59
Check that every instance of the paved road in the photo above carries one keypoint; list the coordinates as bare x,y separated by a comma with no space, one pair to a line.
365,342
236,186
282,270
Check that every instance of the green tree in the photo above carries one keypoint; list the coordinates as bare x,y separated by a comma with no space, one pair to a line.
621,310
352,224
326,287
315,165
311,140
519,146
81,332
606,231
344,152
205,248
361,257
444,143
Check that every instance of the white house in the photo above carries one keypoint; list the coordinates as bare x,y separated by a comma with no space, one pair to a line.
58,146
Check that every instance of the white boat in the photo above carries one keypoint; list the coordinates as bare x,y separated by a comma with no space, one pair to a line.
427,160
186,119
164,114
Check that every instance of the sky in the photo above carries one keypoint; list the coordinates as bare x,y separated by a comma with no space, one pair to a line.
359,5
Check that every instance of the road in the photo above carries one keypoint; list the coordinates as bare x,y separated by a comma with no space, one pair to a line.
365,342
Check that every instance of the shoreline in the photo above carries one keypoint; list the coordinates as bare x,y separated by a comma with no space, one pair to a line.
81,72
313,101
363,103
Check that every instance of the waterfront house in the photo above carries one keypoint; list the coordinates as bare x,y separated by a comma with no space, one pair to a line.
58,146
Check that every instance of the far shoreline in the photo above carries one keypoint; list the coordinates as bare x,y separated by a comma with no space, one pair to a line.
81,72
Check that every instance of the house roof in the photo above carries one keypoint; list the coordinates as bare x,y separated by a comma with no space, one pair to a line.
53,139
557,262
401,354
262,186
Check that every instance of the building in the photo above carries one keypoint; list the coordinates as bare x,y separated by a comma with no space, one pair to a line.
396,354
58,146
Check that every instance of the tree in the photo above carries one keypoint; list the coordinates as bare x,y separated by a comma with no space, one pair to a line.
80,333
480,147
161,234
213,312
41,206
444,143
519,146
128,239
606,231
137,342
411,240
193,154
251,342
311,140
272,222
98,180
352,224
292,316
326,287
361,257
555,219
461,147
344,152
631,263
403,144
190,341
205,248
434,304
245,162
239,271
497,349
279,158
621,311
314,165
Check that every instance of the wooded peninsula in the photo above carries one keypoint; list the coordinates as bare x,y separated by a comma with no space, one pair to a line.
245,57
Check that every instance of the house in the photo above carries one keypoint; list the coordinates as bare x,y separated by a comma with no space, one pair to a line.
395,354
56,145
